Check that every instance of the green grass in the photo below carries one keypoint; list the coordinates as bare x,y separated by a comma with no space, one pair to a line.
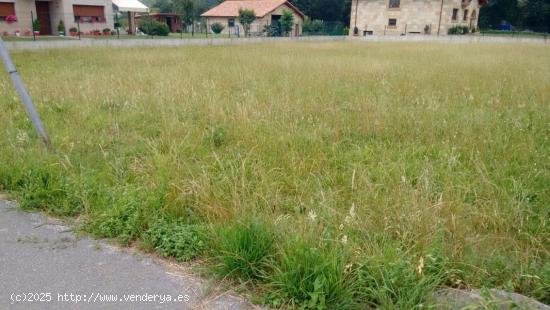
526,34
358,160
244,249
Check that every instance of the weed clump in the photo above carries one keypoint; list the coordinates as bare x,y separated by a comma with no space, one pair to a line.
244,250
313,277
175,238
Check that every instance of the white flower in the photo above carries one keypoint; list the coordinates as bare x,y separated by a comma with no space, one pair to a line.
312,215
344,239
22,137
420,267
352,211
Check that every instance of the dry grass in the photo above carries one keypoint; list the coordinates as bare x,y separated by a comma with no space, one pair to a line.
389,145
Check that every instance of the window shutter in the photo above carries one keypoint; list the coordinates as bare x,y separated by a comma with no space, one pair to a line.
88,10
7,9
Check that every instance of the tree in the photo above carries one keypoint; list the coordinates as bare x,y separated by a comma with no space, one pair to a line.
164,6
186,8
326,10
286,23
246,18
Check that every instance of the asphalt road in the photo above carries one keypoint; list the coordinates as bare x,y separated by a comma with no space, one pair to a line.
44,266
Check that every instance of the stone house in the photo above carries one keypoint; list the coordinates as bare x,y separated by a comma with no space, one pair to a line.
89,15
399,17
267,13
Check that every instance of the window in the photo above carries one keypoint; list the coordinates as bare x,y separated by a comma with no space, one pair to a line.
465,18
231,23
455,14
89,13
394,4
392,22
6,9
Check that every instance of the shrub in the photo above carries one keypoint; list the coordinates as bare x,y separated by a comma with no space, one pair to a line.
312,277
244,250
176,239
61,27
73,29
316,26
106,30
273,30
153,28
217,28
459,30
36,25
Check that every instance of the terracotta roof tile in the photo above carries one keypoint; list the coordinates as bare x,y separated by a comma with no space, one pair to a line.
230,8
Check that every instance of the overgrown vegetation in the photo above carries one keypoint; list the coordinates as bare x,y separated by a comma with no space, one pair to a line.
322,175
152,27
459,30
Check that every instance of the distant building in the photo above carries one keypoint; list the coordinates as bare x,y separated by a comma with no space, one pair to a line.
90,15
397,17
268,12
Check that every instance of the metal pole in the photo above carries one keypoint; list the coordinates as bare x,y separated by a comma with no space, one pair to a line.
355,19
78,26
117,26
440,16
27,101
32,26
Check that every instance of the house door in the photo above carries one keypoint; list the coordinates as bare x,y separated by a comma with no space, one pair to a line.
43,16
296,30
169,22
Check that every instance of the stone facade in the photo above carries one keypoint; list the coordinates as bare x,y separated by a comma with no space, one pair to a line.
398,17
58,10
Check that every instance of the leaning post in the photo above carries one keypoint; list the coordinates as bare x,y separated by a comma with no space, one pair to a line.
27,101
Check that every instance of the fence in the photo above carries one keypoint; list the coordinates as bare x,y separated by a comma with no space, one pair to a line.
502,30
324,28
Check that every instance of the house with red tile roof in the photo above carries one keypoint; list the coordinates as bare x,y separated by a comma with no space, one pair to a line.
90,16
268,13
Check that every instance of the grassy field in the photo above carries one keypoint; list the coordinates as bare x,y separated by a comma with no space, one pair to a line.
337,175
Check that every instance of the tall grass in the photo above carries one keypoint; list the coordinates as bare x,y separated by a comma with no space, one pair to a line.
377,150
